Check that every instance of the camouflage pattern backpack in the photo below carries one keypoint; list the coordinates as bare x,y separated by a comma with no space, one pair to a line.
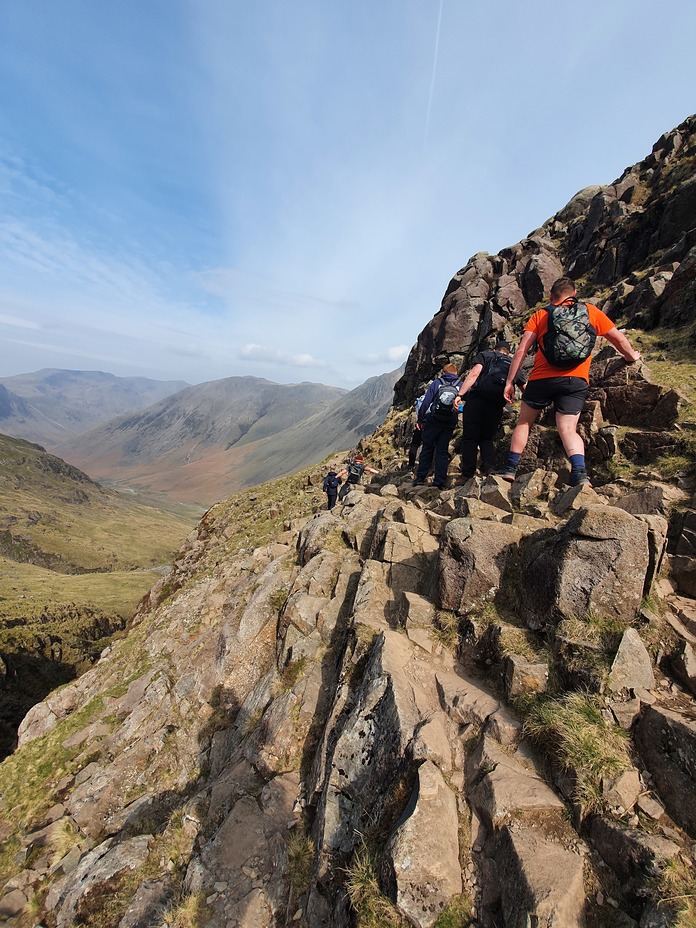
570,337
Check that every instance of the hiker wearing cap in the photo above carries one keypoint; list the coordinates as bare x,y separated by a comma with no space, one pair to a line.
353,473
482,410
437,418
564,334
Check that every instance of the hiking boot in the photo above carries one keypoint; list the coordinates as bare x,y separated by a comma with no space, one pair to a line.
579,478
507,473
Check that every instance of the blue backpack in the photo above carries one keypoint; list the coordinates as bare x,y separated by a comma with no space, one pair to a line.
331,483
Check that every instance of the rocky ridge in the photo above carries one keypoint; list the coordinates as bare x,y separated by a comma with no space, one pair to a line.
367,692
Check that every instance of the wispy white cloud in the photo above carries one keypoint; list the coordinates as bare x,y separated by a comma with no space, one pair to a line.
252,352
17,323
394,355
239,288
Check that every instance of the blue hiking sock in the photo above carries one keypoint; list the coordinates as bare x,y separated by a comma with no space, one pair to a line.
513,458
577,461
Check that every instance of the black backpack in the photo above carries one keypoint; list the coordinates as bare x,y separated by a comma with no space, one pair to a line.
331,483
355,472
570,336
441,407
491,381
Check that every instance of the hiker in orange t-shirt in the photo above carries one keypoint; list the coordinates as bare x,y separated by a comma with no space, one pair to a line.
566,387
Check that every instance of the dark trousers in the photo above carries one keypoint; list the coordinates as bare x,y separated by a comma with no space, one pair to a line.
346,488
480,421
332,499
436,439
416,440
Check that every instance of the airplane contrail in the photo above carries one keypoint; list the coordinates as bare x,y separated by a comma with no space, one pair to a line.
432,78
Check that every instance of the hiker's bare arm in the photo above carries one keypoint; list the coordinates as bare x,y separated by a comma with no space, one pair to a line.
526,342
341,473
622,345
371,470
470,379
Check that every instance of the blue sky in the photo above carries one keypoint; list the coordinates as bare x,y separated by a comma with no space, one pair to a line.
195,189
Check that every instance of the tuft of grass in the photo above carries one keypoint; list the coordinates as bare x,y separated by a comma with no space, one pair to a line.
515,640
300,861
573,732
607,630
446,629
290,674
456,914
277,599
675,887
63,840
191,912
372,908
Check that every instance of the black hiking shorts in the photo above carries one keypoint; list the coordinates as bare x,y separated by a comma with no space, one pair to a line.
568,394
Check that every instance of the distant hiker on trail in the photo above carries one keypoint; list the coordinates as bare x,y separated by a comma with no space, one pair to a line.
437,418
482,411
331,484
417,436
565,334
353,473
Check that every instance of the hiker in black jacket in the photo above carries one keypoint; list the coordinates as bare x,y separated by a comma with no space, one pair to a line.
482,411
331,484
437,418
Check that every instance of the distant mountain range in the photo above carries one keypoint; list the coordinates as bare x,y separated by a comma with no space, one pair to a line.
208,441
51,405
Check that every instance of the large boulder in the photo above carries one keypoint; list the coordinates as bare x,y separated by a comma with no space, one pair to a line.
628,397
473,557
632,854
595,563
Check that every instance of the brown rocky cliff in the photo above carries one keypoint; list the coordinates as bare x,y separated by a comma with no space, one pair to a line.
624,244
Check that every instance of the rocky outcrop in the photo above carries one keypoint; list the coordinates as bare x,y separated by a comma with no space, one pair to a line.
293,716
595,563
632,240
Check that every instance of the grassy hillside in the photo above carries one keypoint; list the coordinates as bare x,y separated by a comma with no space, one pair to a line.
75,560
54,516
